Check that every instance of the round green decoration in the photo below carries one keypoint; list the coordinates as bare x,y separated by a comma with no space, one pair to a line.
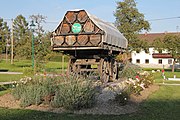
76,28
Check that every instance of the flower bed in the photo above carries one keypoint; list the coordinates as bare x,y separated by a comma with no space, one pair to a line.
64,91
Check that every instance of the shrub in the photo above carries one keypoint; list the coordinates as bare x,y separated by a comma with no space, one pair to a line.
142,81
130,70
67,92
122,98
132,86
30,91
75,93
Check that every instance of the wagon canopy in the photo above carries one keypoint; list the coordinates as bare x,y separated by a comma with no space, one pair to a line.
111,35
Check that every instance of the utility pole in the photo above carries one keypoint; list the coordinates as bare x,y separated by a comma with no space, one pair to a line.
12,44
6,51
177,29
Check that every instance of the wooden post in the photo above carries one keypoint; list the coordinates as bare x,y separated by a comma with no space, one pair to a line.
12,44
6,51
63,64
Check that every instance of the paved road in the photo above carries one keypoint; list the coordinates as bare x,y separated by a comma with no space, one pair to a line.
6,83
14,73
169,84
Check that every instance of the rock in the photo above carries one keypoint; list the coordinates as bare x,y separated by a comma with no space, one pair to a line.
106,95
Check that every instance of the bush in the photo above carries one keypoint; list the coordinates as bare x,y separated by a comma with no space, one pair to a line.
75,93
122,98
67,92
142,81
132,86
130,71
30,91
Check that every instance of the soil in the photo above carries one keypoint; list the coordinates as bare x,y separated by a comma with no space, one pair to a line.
105,107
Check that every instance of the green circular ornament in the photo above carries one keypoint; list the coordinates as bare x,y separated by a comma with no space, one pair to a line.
76,28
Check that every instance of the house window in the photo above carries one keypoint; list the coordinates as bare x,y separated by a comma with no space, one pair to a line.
147,61
137,60
130,60
169,61
160,61
146,51
137,51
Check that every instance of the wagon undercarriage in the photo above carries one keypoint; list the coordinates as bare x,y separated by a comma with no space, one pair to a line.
106,67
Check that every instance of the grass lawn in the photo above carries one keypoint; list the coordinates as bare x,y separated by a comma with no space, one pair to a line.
8,78
18,66
4,92
24,66
159,79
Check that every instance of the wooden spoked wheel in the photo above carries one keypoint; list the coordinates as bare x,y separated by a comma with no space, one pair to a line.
114,68
104,70
71,67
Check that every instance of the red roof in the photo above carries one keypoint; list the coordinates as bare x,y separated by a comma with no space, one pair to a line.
150,37
161,55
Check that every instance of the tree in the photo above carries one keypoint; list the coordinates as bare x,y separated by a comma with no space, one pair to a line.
158,45
172,45
22,39
130,22
4,35
39,19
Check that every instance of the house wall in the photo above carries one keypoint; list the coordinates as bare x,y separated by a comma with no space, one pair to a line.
153,62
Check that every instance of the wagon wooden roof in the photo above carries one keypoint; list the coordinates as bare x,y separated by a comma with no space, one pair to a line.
112,35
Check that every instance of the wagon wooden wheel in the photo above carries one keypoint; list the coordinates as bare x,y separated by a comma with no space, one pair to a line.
114,69
104,70
71,67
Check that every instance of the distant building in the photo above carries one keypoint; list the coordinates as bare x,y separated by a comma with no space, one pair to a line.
152,58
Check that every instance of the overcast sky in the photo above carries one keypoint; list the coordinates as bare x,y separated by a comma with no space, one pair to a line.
104,9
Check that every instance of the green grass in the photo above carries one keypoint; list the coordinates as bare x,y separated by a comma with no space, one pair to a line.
159,78
168,70
8,78
164,104
18,66
4,92
24,66
55,66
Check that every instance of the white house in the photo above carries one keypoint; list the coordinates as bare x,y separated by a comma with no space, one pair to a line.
153,59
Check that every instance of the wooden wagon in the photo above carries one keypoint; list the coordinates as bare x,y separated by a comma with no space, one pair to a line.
90,42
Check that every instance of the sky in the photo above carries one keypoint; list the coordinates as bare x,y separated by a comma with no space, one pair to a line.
54,10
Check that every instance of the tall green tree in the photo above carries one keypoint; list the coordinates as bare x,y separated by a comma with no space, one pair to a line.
158,45
4,35
22,37
172,45
130,22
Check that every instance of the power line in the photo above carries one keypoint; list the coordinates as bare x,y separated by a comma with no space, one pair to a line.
158,19
48,22
56,22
